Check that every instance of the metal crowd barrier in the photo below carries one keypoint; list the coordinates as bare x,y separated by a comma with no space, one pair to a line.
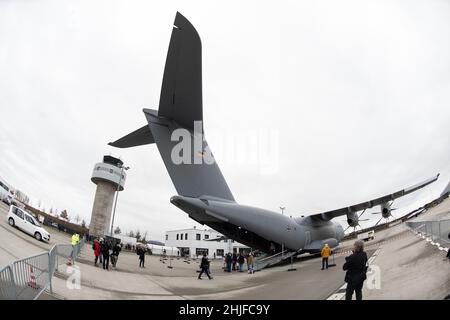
27,278
438,231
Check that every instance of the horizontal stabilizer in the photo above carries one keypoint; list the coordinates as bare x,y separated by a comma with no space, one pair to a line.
139,137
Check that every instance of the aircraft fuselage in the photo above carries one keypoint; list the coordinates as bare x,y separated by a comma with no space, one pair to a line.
259,228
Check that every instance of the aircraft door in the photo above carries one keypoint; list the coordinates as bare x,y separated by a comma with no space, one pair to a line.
308,237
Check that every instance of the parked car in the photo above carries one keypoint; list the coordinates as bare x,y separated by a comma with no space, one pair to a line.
26,222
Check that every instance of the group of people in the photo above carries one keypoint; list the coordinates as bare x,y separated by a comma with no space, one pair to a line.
235,262
104,250
355,266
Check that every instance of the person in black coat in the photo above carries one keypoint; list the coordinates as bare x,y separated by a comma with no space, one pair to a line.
140,251
105,252
204,265
115,254
356,267
241,261
228,261
234,261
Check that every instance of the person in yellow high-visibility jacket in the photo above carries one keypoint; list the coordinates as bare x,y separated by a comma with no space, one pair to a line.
74,240
326,251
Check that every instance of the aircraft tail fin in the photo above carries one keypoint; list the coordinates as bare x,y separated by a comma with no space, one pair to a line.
194,176
181,90
180,106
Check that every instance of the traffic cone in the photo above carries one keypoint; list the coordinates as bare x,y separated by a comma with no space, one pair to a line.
32,282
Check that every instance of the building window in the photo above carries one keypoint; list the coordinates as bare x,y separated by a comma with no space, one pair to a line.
181,236
198,236
206,236
185,236
200,251
219,252
178,236
167,237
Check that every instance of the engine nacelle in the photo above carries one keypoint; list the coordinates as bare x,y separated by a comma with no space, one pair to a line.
386,210
352,219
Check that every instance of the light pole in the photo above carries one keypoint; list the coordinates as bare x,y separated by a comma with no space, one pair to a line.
117,196
282,209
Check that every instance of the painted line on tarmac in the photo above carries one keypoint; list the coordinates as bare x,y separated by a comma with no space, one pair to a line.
340,293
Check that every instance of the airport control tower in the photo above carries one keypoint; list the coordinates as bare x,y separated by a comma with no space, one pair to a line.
109,177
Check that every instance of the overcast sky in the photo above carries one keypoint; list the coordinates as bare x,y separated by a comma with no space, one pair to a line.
354,97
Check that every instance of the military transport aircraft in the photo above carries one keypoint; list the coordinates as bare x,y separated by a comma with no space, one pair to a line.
202,190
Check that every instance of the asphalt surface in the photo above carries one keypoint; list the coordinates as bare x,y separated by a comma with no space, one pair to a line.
401,257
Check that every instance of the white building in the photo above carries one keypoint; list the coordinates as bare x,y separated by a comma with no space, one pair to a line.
193,242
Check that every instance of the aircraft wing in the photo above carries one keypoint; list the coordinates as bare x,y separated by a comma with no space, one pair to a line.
369,204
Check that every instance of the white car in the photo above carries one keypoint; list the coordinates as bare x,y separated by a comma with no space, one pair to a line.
26,222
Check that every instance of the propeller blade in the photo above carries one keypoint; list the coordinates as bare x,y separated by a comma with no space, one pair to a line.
376,212
378,221
364,219
362,213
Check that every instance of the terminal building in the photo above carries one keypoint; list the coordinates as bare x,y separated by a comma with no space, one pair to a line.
194,242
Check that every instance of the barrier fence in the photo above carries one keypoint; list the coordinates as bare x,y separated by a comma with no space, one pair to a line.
437,231
27,278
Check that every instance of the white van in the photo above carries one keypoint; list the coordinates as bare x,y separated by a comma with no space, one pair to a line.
366,236
6,192
26,222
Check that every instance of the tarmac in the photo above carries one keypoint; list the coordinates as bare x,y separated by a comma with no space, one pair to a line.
407,267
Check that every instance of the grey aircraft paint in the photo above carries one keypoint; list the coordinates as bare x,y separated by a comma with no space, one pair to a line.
202,190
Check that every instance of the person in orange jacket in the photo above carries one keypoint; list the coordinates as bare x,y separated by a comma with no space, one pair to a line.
326,251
